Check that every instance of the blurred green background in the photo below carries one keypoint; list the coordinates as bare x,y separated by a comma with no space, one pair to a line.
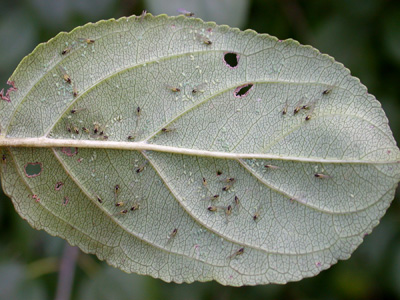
363,35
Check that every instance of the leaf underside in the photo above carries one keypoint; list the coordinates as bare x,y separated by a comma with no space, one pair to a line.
214,182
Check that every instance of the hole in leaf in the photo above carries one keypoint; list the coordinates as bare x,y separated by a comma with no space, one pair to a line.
33,169
243,90
70,151
231,59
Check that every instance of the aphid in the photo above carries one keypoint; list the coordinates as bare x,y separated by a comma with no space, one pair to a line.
238,252
236,200
327,91
204,181
227,187
215,197
99,199
229,179
142,15
298,106
75,91
66,50
65,201
168,129
228,210
87,41
119,204
271,167
138,111
105,137
76,110
321,176
76,130
85,130
285,109
116,192
212,208
199,88
66,77
185,12
173,88
4,162
68,127
204,39
309,114
130,137
135,206
96,127
140,168
256,215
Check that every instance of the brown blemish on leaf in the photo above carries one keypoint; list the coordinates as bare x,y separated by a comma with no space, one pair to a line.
68,151
6,96
59,185
33,169
243,90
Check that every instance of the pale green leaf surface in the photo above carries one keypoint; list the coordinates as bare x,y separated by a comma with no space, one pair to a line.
304,224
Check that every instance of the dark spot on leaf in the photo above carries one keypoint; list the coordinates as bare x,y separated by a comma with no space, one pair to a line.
231,59
243,90
69,151
33,169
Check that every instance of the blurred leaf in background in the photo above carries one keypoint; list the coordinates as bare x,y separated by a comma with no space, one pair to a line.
363,35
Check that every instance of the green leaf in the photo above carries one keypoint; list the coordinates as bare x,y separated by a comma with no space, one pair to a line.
296,191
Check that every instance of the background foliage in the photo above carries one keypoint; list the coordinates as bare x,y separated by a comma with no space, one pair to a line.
363,35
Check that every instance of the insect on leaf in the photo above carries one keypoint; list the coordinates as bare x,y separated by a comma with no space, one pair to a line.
149,179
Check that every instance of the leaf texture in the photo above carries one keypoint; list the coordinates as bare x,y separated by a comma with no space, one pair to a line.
134,140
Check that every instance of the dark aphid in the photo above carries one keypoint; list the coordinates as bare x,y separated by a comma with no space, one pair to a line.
321,176
204,181
96,127
119,204
168,129
228,210
229,179
66,50
76,129
227,187
130,137
99,199
84,129
311,110
238,252
76,110
4,162
256,215
204,39
116,192
212,208
271,167
173,88
87,41
327,91
185,12
236,200
75,91
66,77
68,127
135,206
140,169
285,108
124,212
199,88
138,111
172,234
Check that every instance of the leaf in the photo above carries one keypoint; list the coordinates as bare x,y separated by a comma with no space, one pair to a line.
215,182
